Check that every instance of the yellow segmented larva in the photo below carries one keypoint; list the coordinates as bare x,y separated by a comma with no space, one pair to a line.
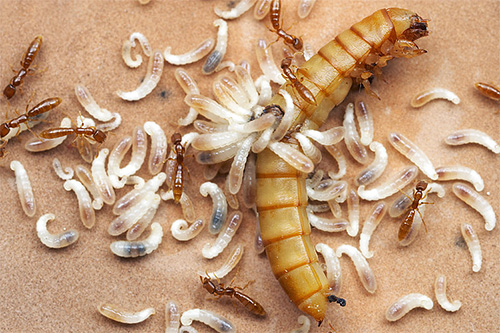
281,189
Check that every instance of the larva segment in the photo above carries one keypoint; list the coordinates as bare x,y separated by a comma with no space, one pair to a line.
281,191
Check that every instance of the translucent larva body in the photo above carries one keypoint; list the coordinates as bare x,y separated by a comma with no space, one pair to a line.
281,189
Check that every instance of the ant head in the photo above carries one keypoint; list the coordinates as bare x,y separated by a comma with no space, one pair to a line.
99,136
421,185
297,44
4,130
9,91
176,138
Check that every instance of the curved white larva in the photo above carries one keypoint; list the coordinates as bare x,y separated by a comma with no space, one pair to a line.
309,149
34,145
365,120
339,157
306,325
121,315
64,174
190,56
462,173
364,271
315,179
246,82
212,110
189,85
186,204
232,260
267,64
391,186
235,176
141,225
472,241
409,150
292,156
353,213
426,96
261,143
376,168
217,155
115,121
327,224
465,136
101,179
234,220
24,188
215,321
89,104
87,214
187,329
407,303
153,75
327,190
263,85
305,7
158,153
172,317
184,232
377,213
86,179
256,125
351,137
123,222
478,202
56,241
235,12
216,56
326,138
115,158
216,140
128,249
139,149
229,93
333,270
236,90
219,210
440,292
286,121
130,43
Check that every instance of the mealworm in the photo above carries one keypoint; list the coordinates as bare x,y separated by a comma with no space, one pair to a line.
472,242
121,315
425,97
55,241
440,293
127,249
212,319
153,75
24,188
478,202
465,136
407,303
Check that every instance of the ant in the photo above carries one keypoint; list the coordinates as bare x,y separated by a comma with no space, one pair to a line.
418,195
219,290
28,58
288,74
275,16
30,115
176,166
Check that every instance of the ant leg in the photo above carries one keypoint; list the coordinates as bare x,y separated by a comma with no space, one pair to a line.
423,221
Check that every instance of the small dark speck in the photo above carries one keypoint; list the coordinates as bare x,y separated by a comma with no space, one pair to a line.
460,242
231,4
165,94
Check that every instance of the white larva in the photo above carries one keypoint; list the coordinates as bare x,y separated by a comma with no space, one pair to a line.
36,145
215,57
305,323
325,138
158,153
336,153
139,150
353,213
101,179
115,157
186,204
461,172
190,56
234,220
426,96
172,317
115,121
440,293
465,136
127,249
376,167
267,64
132,197
121,315
54,241
377,213
407,303
130,43
472,242
364,271
365,120
333,270
351,137
87,214
24,188
308,148
235,12
232,260
182,231
189,85
410,150
391,186
64,174
478,202
327,224
215,321
219,207
153,75
140,226
292,156
89,104
123,222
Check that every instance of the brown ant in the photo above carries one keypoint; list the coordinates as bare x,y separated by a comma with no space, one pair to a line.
418,195
30,115
28,58
288,74
275,16
177,166
219,290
